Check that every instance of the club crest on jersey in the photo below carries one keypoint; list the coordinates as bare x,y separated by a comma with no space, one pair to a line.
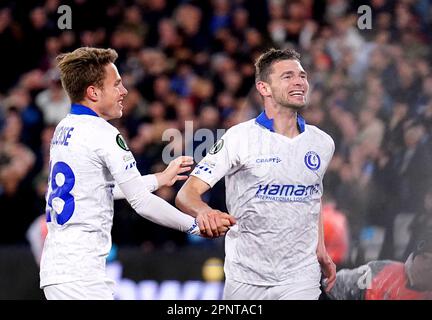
312,160
217,147
121,142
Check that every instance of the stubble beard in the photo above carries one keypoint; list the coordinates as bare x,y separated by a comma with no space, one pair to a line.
285,103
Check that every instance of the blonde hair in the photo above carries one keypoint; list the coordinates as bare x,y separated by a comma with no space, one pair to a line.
83,67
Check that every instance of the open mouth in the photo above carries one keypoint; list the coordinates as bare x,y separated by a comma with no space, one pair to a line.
297,93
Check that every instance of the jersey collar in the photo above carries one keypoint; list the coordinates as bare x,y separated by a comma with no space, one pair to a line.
268,123
80,109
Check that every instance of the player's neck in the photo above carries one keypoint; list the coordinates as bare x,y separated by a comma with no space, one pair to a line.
284,121
91,105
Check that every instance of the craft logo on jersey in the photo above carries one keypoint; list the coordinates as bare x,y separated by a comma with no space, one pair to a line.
217,147
121,142
312,160
268,160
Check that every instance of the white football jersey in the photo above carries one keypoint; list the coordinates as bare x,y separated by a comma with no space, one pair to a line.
273,189
87,155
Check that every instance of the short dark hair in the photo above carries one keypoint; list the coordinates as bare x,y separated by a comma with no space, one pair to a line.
263,65
82,68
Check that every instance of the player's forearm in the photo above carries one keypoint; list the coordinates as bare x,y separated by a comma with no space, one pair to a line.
161,212
190,202
156,209
321,245
151,183
160,178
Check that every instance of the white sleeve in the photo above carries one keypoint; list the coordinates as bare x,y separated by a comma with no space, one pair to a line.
221,159
115,154
150,181
156,209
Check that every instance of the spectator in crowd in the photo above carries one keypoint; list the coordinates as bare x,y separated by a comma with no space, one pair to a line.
388,279
336,233
53,101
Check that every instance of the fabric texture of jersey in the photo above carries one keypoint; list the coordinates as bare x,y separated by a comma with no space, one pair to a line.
87,156
234,290
81,290
273,189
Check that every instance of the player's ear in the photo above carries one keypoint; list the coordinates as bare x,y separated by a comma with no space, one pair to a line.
263,88
92,93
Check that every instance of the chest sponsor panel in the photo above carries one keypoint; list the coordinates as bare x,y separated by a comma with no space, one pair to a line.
287,192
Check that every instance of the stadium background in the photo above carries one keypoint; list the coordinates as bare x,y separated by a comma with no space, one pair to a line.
193,61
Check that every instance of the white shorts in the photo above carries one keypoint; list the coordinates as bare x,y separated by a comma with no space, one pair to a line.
299,291
81,290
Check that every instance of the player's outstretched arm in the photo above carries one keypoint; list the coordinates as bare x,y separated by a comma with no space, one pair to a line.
167,177
156,209
210,221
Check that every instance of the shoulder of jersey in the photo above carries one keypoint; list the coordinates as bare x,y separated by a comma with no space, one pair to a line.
97,128
243,126
239,132
320,133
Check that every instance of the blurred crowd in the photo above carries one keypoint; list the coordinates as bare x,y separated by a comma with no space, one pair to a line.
194,61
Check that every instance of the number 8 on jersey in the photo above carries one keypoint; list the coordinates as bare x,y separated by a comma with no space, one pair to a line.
62,180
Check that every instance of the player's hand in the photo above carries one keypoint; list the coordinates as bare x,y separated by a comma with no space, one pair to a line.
328,269
214,223
174,170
